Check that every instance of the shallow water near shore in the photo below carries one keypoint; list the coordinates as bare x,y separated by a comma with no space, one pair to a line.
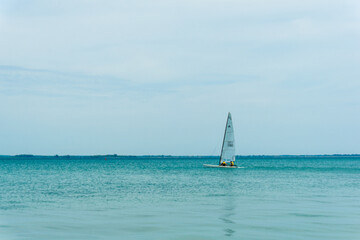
177,198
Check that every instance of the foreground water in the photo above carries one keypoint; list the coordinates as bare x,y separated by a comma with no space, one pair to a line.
176,198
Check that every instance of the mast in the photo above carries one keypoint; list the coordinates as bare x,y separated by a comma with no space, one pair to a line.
222,148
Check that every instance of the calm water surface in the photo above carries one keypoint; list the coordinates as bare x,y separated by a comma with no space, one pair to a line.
176,198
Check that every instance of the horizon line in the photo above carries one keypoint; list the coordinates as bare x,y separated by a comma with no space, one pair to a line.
174,156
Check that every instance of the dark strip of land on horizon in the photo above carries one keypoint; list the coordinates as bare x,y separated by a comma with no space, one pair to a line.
174,156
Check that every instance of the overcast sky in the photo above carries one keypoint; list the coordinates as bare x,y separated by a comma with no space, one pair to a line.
158,77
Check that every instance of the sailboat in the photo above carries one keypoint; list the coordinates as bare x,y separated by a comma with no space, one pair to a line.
227,156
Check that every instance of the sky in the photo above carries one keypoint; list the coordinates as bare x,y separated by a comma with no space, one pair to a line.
159,77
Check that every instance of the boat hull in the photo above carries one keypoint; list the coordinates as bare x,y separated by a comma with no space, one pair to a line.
219,166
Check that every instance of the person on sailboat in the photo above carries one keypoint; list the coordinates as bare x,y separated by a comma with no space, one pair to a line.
223,163
232,163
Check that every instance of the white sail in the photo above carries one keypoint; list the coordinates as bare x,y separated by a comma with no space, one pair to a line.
228,147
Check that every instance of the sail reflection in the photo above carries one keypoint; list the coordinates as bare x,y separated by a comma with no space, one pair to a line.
228,212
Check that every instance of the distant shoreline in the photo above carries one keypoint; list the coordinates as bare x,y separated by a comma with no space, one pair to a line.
177,156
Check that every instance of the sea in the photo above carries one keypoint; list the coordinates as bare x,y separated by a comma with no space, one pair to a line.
167,197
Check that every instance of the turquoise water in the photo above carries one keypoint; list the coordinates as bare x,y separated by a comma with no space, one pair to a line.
176,198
